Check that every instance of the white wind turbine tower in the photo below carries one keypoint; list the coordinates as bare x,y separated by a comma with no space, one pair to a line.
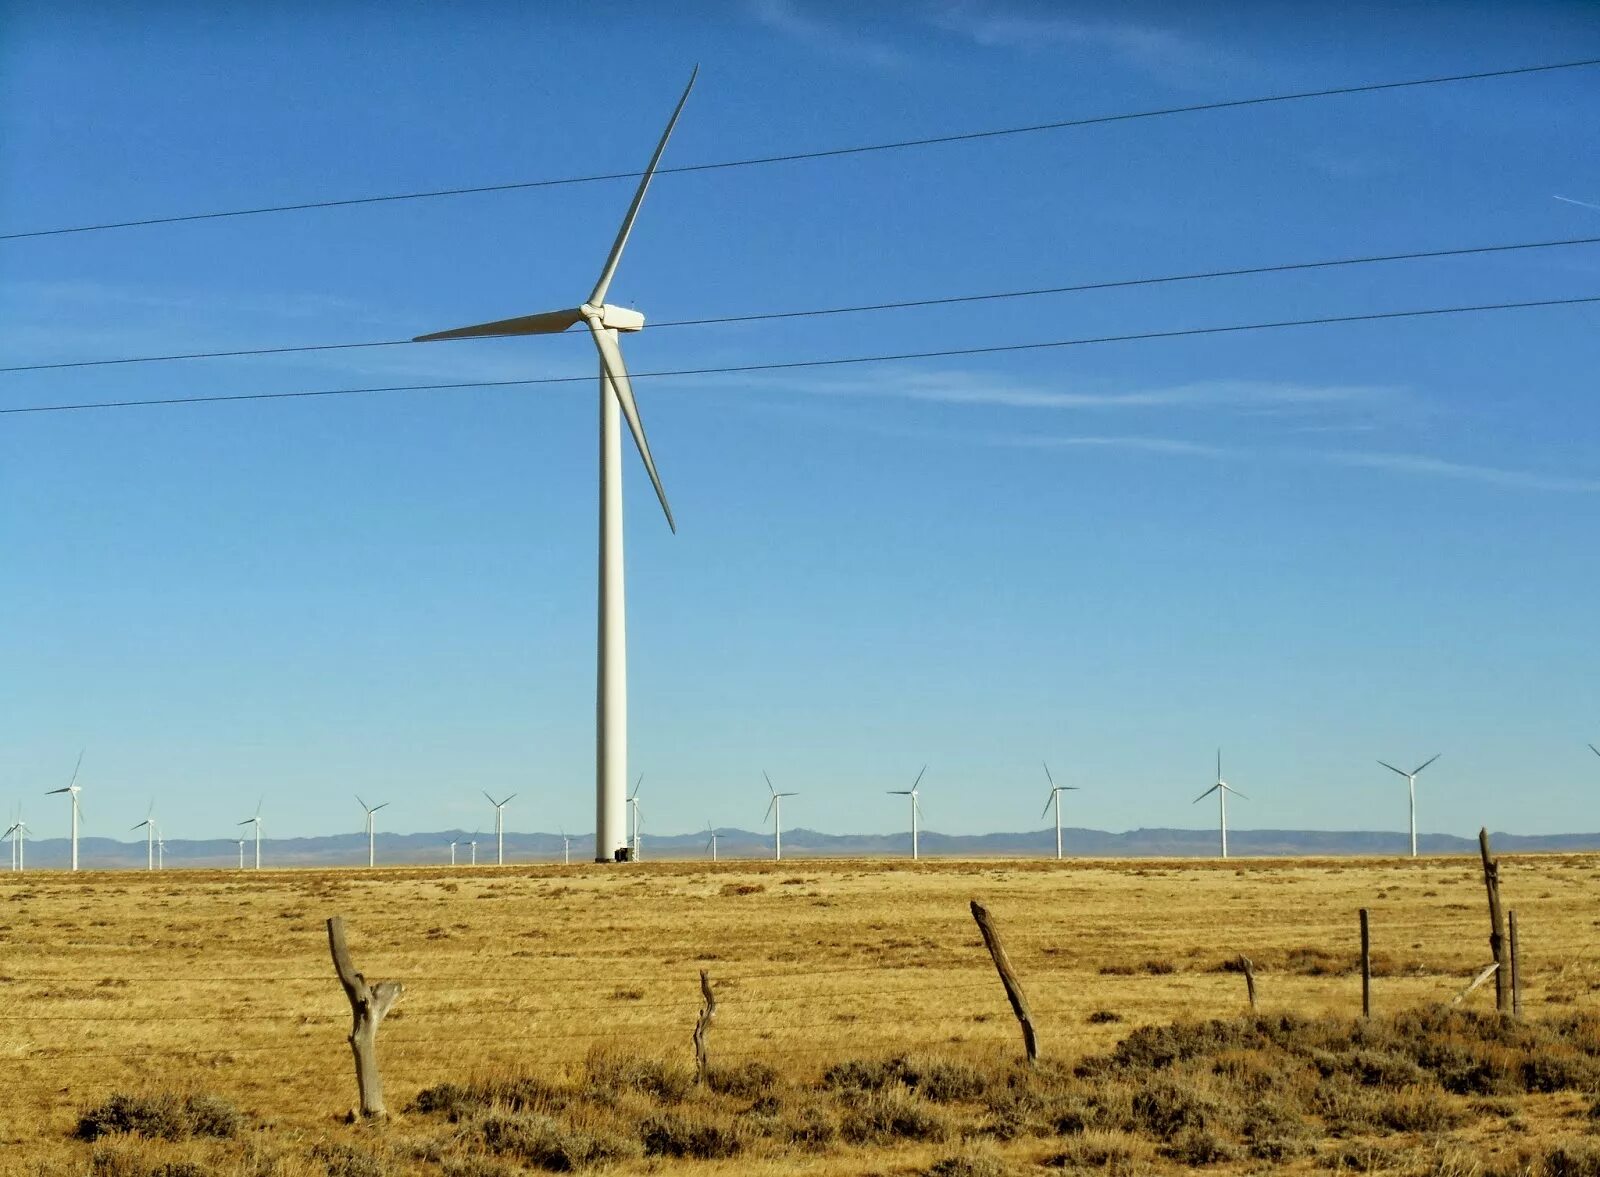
1055,799
566,847
775,812
1411,785
604,321
473,846
371,809
916,807
148,825
72,790
711,842
256,821
161,850
1222,788
633,804
18,834
499,827
452,851
241,842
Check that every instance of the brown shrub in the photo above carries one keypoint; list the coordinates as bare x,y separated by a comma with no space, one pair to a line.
160,1116
891,1114
669,1135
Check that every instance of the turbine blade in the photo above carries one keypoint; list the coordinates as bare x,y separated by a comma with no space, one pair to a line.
768,779
544,323
604,284
918,781
1219,764
1236,792
509,798
617,376
1047,775
770,804
1595,750
375,808
247,821
488,798
896,792
1046,808
51,792
636,785
1426,762
788,794
76,767
362,803
1392,768
1207,793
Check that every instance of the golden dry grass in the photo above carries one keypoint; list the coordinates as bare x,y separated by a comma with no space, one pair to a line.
220,983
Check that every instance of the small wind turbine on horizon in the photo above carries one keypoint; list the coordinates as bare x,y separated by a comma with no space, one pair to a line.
18,834
161,850
775,812
473,846
72,790
1055,800
711,842
370,810
499,827
241,842
633,804
916,806
566,847
452,851
1411,786
256,821
148,825
1222,788
604,321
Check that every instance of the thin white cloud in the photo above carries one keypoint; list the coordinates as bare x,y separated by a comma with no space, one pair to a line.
1579,203
1441,468
834,40
1150,47
1150,445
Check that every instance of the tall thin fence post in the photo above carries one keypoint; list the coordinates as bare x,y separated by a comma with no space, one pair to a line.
368,1005
702,1027
1366,966
1499,945
1248,968
1516,965
1008,978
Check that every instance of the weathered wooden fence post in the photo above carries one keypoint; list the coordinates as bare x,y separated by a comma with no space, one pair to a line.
368,1005
702,1027
1249,971
1516,965
1366,966
1499,946
1008,978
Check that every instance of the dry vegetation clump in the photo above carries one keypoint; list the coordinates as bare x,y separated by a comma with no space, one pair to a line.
162,1115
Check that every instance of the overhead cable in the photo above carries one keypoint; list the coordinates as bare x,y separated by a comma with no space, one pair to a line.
789,365
827,153
859,308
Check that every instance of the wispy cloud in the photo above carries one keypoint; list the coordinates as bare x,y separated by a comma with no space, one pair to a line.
1150,445
1579,203
1441,468
958,387
1151,47
838,41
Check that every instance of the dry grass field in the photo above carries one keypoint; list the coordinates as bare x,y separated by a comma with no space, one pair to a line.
861,1029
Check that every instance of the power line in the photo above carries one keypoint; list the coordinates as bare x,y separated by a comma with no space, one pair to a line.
789,365
828,153
906,304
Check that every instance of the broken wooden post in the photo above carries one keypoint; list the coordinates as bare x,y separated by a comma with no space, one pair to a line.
702,1026
1366,967
1516,969
1488,971
368,1005
1008,978
1249,971
1499,946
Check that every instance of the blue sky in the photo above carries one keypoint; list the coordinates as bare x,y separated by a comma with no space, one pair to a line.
1315,546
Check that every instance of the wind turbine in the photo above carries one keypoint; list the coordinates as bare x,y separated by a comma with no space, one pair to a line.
18,834
499,828
1222,788
371,809
711,843
256,821
1411,785
161,850
148,825
72,790
566,847
1055,799
474,847
452,851
916,808
241,842
775,811
604,321
633,803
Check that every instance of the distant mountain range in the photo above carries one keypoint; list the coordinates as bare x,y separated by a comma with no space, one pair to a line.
434,849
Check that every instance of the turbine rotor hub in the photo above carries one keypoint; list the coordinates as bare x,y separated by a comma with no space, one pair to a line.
613,317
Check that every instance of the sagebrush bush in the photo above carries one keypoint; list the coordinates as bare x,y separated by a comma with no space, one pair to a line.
342,1160
670,1135
545,1143
160,1116
890,1114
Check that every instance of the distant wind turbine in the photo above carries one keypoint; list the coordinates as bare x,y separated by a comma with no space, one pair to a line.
499,827
161,850
566,847
1055,800
241,842
1411,786
916,807
711,842
452,851
604,321
18,834
1222,788
148,825
371,809
72,790
775,812
633,804
256,821
473,846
